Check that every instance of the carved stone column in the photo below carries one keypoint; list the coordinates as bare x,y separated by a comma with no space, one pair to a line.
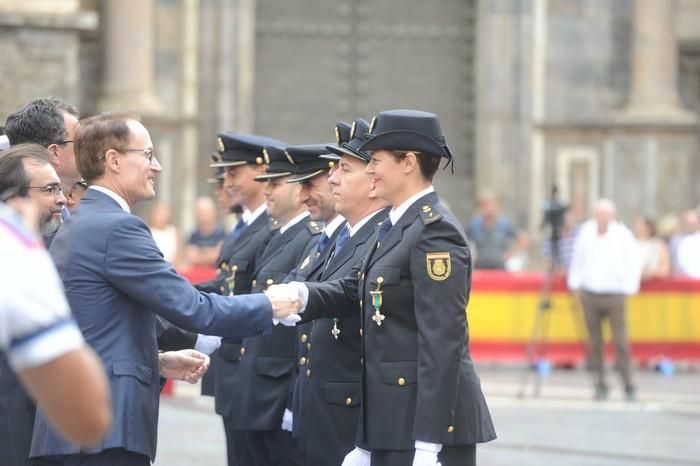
128,72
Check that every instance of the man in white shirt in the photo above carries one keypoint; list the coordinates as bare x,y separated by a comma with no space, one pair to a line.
604,270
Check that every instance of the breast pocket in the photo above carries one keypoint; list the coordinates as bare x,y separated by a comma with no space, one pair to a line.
274,367
384,276
400,374
343,393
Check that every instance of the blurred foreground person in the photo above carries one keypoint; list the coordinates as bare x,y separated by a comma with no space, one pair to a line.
605,269
117,281
43,344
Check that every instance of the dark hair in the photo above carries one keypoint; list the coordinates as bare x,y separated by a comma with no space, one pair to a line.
428,163
97,135
14,180
40,122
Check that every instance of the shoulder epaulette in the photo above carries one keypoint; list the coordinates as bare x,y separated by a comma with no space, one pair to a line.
428,215
315,227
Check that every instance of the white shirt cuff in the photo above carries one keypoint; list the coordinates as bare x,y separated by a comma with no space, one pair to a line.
434,447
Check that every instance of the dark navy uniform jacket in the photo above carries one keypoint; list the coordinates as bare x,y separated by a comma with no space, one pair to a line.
116,281
263,382
419,381
332,392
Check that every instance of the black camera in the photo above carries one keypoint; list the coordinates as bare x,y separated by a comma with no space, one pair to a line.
553,217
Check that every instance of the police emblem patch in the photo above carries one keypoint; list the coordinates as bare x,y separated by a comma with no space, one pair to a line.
439,265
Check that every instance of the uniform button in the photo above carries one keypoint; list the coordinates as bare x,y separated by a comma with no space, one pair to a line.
360,332
450,429
362,360
401,381
234,268
242,351
362,277
308,346
270,281
304,337
302,361
348,401
255,282
221,289
308,372
360,304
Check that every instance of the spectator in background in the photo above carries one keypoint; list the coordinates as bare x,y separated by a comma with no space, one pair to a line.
653,251
689,248
491,234
164,233
690,224
519,258
605,269
205,242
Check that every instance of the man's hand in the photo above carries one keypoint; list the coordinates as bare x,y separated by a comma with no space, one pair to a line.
285,301
357,457
188,365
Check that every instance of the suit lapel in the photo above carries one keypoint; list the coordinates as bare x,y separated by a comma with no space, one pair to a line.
277,243
393,237
323,258
359,239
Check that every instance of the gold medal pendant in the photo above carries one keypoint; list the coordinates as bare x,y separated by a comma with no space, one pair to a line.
335,331
378,317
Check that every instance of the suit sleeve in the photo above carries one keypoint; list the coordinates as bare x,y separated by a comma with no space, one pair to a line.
335,298
441,292
135,266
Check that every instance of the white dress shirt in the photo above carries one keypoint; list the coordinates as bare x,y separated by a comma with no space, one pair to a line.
689,255
608,264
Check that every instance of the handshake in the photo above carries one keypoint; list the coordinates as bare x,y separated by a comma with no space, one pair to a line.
288,301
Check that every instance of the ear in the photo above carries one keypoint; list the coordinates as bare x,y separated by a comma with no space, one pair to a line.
54,159
411,163
112,161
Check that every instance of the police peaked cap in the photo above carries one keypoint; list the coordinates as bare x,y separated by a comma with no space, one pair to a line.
239,149
407,130
278,163
355,138
308,161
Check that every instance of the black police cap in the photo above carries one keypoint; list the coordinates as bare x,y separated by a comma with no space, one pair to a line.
308,161
240,148
409,130
278,163
355,138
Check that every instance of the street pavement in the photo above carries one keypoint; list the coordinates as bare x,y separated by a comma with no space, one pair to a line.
563,426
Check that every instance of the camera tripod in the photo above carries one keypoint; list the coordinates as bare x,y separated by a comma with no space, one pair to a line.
536,350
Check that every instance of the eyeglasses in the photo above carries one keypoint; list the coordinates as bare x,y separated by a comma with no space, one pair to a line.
148,153
54,189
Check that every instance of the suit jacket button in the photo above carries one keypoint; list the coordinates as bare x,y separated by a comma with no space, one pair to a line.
450,429
302,361
348,401
242,351
304,337
401,381
308,372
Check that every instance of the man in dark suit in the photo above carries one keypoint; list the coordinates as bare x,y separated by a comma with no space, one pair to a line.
263,385
243,156
421,399
116,281
312,173
332,385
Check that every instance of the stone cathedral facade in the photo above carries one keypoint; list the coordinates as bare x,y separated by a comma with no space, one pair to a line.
600,97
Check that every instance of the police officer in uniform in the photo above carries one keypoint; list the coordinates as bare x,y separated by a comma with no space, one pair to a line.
332,395
422,401
263,387
312,172
243,157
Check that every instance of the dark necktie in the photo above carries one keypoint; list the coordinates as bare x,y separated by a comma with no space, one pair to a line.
342,239
384,228
238,229
322,242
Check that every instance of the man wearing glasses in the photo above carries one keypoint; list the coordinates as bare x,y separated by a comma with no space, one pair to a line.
52,123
